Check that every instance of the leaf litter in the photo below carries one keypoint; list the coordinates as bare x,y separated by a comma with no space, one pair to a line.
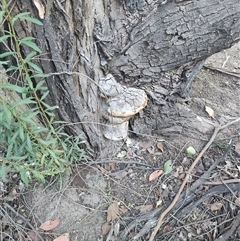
49,224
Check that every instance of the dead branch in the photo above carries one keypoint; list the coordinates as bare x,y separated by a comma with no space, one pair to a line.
223,71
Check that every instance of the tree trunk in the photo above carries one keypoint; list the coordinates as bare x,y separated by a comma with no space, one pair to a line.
151,45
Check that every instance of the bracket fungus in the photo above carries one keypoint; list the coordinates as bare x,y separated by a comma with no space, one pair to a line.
122,104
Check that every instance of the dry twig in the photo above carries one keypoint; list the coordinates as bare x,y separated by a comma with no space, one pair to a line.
160,220
226,235
25,220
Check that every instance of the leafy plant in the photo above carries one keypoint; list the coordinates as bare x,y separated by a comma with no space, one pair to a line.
33,148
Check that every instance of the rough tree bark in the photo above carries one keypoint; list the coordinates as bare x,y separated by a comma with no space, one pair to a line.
152,44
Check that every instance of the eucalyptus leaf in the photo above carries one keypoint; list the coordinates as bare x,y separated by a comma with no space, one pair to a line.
6,54
13,87
1,16
30,44
4,37
20,15
167,167
33,20
190,151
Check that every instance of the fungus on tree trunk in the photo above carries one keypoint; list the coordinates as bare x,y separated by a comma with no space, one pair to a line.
122,104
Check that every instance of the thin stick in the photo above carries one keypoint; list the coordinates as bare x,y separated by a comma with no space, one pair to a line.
160,220
24,219
222,182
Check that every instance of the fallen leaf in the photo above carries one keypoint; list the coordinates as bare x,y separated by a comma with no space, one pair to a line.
63,237
112,166
155,175
128,142
33,236
160,146
145,144
167,167
210,111
49,224
123,210
40,7
104,171
159,202
121,174
116,228
130,154
237,200
151,150
209,237
121,154
112,212
106,228
215,206
237,147
190,151
144,208
167,228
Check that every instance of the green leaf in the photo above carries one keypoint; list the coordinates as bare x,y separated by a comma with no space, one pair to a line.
20,15
4,37
9,150
34,66
29,81
40,84
15,135
7,115
13,68
29,56
122,154
18,158
48,107
21,133
33,20
3,55
1,16
39,176
13,87
28,38
190,151
3,171
29,144
27,120
40,75
30,44
4,62
26,101
44,95
38,129
167,167
31,114
25,175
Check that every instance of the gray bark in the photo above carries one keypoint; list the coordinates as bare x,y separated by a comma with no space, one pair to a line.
149,44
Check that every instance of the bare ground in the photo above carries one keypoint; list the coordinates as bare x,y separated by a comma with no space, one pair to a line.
119,188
